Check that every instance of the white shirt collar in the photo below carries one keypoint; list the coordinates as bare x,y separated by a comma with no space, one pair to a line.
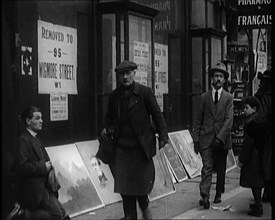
219,92
32,132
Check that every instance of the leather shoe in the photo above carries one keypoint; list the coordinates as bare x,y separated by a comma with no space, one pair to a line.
205,203
218,198
253,206
256,211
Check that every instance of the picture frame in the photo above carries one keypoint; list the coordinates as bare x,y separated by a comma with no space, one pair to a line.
185,149
174,163
100,172
163,185
230,161
77,194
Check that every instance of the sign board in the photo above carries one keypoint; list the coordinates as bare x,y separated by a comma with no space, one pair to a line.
253,20
57,58
238,48
161,72
141,58
254,13
59,106
165,20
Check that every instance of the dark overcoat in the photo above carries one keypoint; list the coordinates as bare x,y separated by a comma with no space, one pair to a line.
260,128
133,168
251,172
143,108
31,170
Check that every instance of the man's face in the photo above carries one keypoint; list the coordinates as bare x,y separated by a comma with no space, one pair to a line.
35,123
248,110
218,80
127,78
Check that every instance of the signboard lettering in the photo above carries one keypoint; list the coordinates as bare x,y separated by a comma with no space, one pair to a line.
57,58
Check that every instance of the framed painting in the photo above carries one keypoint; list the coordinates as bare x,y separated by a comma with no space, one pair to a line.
163,184
77,194
230,161
174,163
186,153
100,173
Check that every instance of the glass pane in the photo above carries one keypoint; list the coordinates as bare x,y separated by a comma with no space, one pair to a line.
122,41
108,52
216,51
197,86
140,48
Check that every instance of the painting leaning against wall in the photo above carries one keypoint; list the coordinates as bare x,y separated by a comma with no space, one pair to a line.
77,194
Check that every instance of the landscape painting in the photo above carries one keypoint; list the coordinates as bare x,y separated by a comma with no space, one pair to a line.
77,194
100,173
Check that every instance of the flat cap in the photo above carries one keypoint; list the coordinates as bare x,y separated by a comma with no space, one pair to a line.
125,65
219,67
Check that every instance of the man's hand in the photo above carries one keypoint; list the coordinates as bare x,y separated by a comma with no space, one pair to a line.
162,144
48,165
197,147
104,134
217,143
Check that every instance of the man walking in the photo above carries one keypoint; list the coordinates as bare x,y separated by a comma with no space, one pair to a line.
130,109
212,133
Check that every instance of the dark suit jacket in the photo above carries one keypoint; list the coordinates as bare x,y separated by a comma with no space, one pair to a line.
141,107
31,170
214,120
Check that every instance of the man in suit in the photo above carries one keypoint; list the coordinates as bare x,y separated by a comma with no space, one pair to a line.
130,109
212,133
32,168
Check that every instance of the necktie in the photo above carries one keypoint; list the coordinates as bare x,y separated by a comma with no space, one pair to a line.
216,97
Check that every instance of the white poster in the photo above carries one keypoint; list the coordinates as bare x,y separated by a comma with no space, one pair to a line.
161,72
141,58
161,68
57,58
59,107
262,61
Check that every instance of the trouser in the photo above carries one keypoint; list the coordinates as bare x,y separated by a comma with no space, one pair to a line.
257,194
49,209
210,159
129,205
267,192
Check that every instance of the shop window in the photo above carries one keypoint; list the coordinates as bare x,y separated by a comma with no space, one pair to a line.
140,48
108,52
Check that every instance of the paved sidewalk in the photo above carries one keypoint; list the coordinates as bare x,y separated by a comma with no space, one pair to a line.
184,199
235,205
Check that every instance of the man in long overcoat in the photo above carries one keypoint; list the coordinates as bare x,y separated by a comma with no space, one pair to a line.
260,129
131,109
212,133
